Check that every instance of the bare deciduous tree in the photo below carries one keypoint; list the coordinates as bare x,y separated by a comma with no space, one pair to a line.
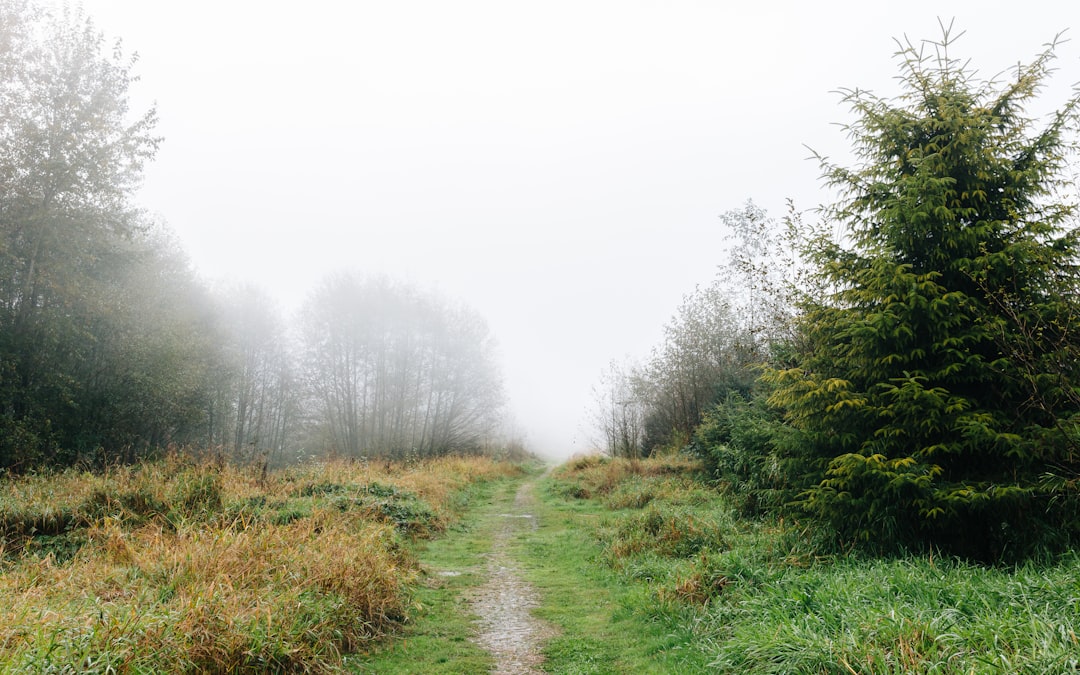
619,411
393,371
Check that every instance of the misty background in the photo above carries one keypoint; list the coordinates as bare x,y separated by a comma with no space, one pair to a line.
560,167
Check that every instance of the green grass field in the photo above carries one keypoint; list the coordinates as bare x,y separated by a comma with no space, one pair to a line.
751,597
641,566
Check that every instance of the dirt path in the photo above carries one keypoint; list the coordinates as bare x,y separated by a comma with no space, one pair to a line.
505,601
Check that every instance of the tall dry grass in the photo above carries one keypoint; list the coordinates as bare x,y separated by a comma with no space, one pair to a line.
598,475
182,566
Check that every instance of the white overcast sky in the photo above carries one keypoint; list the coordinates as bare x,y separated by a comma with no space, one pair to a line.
559,166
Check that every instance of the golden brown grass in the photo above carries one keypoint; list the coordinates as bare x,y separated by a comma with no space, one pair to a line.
180,566
598,475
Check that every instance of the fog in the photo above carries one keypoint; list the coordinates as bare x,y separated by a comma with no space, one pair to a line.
558,166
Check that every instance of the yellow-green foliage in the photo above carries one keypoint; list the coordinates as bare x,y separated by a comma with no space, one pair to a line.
183,566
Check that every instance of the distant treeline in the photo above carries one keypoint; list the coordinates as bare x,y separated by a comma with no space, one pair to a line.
110,348
905,372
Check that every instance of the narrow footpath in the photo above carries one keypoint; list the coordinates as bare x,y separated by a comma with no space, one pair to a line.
515,587
474,606
504,602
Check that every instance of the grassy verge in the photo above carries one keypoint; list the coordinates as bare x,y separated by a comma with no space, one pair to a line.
750,597
181,566
593,605
437,638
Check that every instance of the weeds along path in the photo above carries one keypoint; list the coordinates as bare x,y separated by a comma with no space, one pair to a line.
518,586
473,607
504,602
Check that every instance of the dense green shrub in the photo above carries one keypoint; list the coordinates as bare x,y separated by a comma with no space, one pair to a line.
738,442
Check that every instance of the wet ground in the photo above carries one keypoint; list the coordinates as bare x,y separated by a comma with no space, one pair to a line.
505,600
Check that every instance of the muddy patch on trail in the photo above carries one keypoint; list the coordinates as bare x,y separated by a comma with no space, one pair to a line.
505,601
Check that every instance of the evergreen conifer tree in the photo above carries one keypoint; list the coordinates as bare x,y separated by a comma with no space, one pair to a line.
937,402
